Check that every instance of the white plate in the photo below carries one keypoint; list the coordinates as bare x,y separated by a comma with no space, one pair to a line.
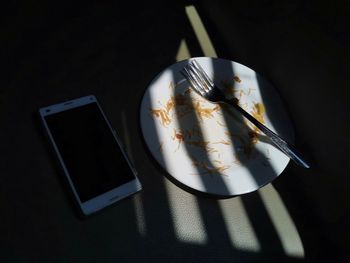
206,147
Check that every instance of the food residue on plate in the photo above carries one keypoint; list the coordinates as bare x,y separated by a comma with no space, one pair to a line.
209,169
203,112
236,78
183,102
162,115
185,105
226,142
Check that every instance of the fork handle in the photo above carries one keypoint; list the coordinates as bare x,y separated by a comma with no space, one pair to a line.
284,146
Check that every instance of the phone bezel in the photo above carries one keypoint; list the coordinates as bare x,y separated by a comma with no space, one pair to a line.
97,203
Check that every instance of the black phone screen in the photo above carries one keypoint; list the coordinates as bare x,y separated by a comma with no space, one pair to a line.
91,154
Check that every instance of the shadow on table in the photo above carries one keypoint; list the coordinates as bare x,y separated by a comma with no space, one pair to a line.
111,50
253,204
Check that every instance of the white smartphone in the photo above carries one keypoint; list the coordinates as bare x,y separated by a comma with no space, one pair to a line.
92,157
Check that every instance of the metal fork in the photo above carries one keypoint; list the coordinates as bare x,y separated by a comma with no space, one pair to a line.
202,84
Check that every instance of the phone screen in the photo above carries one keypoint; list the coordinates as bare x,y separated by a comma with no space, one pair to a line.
91,154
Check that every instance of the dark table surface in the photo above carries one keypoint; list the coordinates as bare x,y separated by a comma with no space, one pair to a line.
56,52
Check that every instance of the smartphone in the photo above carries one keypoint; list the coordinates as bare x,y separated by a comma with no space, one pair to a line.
94,162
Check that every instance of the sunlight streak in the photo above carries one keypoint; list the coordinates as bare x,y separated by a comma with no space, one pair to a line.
206,46
282,221
126,136
183,51
186,217
140,215
187,220
200,31
237,222
239,227
137,200
184,210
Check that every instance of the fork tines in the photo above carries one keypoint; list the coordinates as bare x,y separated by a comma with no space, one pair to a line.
197,77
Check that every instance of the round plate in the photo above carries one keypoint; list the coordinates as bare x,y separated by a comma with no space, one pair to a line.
210,147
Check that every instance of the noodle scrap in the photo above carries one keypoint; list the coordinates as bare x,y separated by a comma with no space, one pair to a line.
185,104
209,169
236,78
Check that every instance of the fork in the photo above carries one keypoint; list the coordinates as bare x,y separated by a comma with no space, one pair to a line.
204,86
